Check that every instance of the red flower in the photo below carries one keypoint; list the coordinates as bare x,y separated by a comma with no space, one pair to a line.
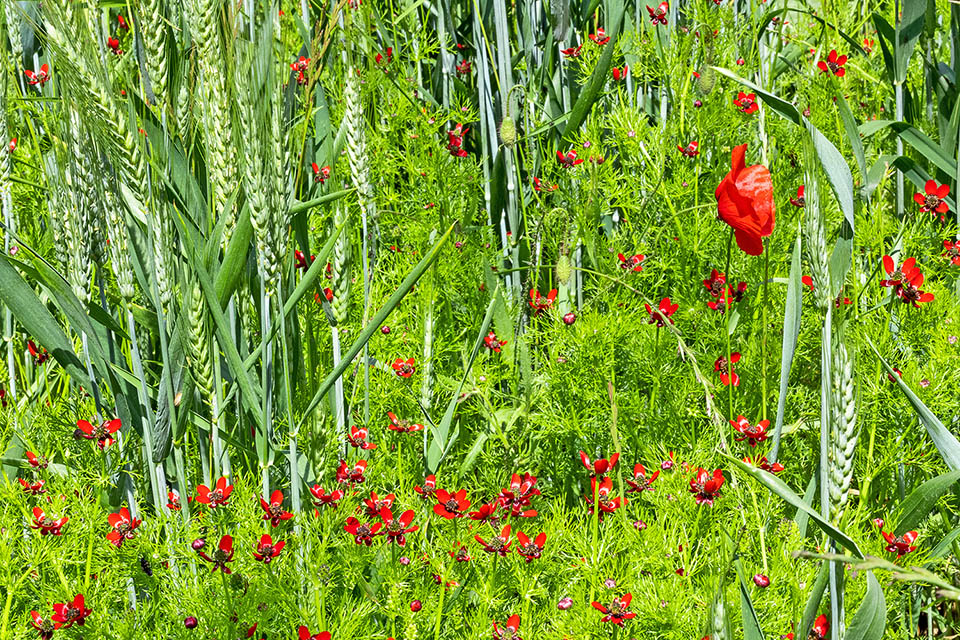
351,475
658,15
124,527
114,45
45,626
122,23
539,186
633,263
897,276
706,489
491,342
909,292
362,533
486,513
36,462
358,438
932,198
833,64
45,524
745,202
396,529
71,613
510,631
691,150
375,504
620,73
662,315
808,281
900,545
604,501
173,501
640,480
568,160
323,499
799,201
429,487
101,433
464,68
746,102
764,464
389,57
273,510
39,354
952,252
455,141
221,556
33,488
753,434
38,77
303,633
499,544
217,497
820,628
600,466
600,37
451,505
715,282
727,373
301,66
517,497
530,550
868,45
461,554
540,304
266,550
403,426
617,611
404,368
320,174
572,52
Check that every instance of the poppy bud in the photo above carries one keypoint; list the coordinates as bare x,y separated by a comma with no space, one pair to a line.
404,560
415,606
697,104
569,318
563,269
190,622
198,544
761,581
508,132
707,80
564,604
385,330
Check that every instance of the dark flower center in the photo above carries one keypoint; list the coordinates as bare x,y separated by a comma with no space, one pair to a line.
71,613
462,555
220,556
722,365
931,202
909,293
46,522
451,505
266,550
276,510
363,531
746,103
530,549
123,528
801,201
497,543
216,495
833,66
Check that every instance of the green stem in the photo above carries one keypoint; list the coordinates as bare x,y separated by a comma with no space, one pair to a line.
230,607
727,313
763,343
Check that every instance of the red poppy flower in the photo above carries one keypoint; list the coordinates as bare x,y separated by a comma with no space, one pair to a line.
820,628
833,64
273,510
900,545
932,198
764,464
692,149
952,253
402,426
604,501
746,102
640,480
572,52
658,15
539,186
800,201
266,550
358,438
37,462
569,160
910,293
517,496
351,475
303,633
617,612
47,525
375,504
396,529
490,342
124,527
363,533
661,315
540,304
320,174
114,45
600,37
216,497
530,549
71,613
429,487
753,434
464,68
510,630
451,505
600,466
39,354
499,544
38,77
705,488
173,501
745,202
620,73
633,263
404,368
32,488
221,556
728,374
46,626
323,499
100,433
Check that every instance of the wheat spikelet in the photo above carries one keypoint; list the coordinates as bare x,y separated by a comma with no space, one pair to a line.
79,218
5,166
154,31
161,241
340,265
357,143
719,620
843,429
14,26
814,241
117,234
201,366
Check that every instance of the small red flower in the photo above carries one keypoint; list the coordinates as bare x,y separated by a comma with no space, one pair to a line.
38,77
273,510
705,488
221,556
404,368
39,354
747,102
429,487
658,15
451,505
833,64
486,513
101,433
510,631
600,37
715,283
301,66
932,198
620,73
402,426
12,146
216,497
910,293
455,141
604,501
266,550
173,501
396,529
540,186
540,304
114,45
572,52
47,525
37,462
351,475
303,633
728,374
764,464
320,174
530,549
799,201
358,438
124,527
499,544
753,434
640,480
375,504
517,496
897,276
661,315
692,150
32,488
122,23
464,68
569,160
46,626
363,533
633,263
900,545
952,251
323,499
600,466
820,628
490,342
389,57
868,45
461,553
617,612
